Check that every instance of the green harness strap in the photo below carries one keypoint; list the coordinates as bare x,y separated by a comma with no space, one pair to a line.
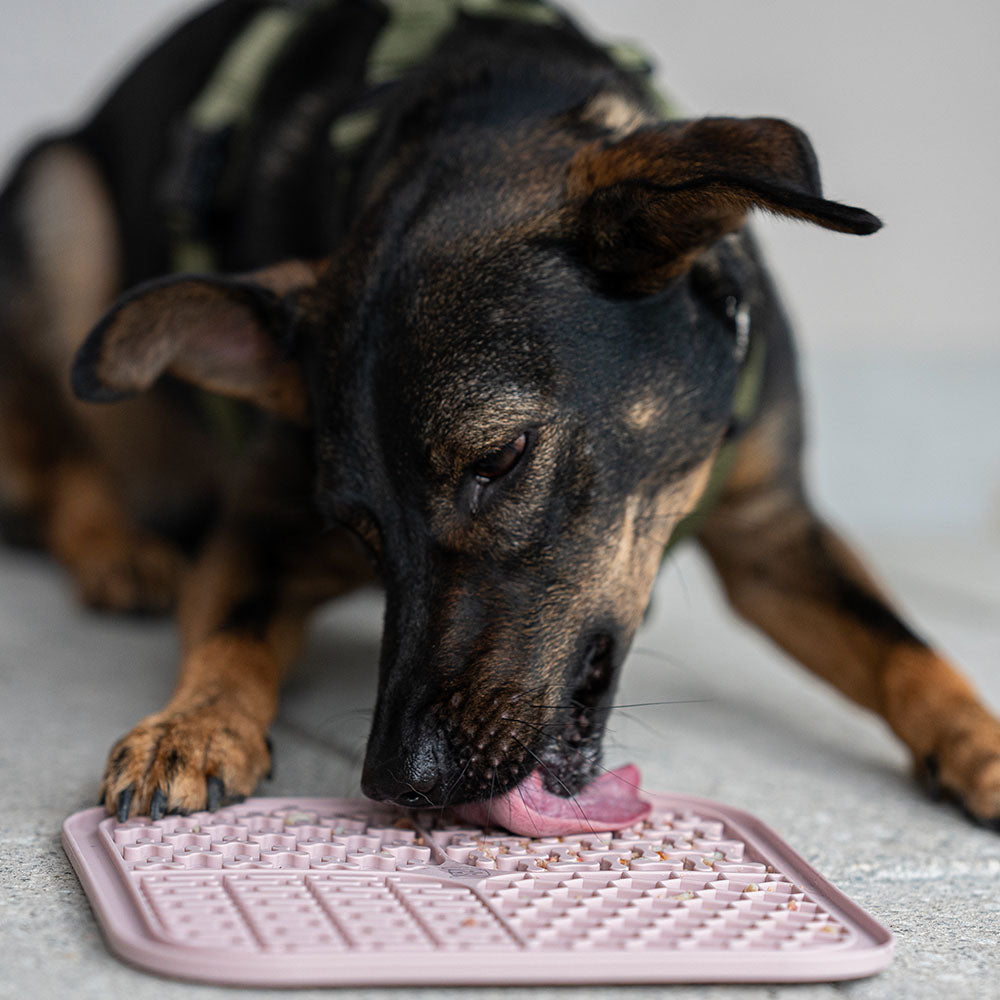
415,28
225,104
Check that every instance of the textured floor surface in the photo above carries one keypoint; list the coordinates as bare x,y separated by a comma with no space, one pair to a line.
735,721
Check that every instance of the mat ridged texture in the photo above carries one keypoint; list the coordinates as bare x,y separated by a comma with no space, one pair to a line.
327,892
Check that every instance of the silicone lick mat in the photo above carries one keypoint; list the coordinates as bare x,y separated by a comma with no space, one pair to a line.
331,892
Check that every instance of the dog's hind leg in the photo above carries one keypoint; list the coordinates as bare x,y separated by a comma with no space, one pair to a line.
59,267
789,574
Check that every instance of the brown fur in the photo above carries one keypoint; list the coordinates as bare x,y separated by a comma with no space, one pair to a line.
786,573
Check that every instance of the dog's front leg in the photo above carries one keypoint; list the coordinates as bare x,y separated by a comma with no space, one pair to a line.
242,616
789,574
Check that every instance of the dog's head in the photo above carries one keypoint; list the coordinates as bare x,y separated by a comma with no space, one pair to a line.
518,378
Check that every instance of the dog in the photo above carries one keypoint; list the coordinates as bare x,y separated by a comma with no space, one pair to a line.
437,294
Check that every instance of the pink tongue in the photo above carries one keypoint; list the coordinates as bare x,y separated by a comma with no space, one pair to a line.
610,802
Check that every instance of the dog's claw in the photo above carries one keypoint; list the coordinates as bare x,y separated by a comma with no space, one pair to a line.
929,776
157,804
986,822
216,793
177,762
125,803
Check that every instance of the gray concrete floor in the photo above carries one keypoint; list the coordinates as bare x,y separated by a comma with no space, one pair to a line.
737,722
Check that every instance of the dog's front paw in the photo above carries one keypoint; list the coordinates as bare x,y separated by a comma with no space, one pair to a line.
185,761
966,769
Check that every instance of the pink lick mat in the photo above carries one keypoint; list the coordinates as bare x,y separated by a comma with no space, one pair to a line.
332,892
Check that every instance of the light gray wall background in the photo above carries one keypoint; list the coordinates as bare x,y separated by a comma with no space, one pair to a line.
902,102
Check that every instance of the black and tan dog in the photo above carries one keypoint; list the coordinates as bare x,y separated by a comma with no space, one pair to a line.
493,329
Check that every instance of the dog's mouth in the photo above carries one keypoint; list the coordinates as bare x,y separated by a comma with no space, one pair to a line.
569,792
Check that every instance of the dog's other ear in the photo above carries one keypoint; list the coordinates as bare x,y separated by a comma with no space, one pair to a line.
227,334
646,206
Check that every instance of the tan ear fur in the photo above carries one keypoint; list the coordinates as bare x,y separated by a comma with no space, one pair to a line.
226,334
648,205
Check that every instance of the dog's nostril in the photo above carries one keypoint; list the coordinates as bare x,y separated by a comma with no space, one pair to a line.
597,666
594,678
418,792
411,800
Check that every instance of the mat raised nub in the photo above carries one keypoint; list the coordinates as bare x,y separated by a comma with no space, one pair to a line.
310,892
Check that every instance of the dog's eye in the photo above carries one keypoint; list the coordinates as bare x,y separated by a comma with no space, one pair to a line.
492,466
498,463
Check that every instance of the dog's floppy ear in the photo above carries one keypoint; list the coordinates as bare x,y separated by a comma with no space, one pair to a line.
646,206
227,334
